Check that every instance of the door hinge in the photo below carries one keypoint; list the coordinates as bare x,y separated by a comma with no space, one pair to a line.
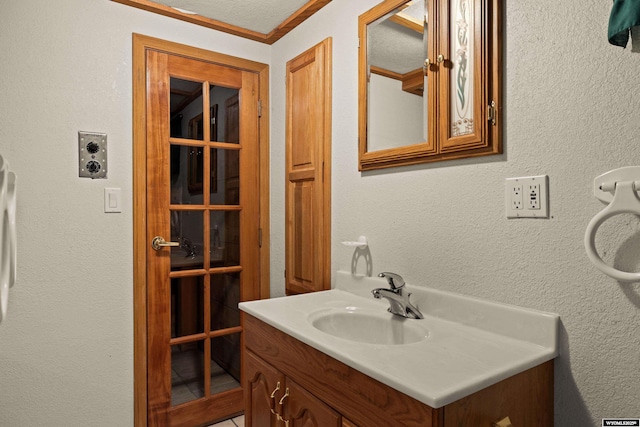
259,237
260,108
491,113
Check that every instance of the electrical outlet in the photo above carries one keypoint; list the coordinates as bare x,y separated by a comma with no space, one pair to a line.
533,196
526,197
516,196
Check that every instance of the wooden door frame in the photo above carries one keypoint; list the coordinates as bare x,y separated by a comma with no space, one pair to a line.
141,44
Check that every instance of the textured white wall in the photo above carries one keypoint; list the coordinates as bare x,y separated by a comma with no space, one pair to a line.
395,116
572,111
66,348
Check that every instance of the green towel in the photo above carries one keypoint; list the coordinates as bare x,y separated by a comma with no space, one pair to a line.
624,15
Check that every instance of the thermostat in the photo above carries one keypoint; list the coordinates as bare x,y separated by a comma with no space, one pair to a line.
93,154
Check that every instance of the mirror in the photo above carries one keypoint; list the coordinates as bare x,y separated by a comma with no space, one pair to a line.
396,78
429,89
394,96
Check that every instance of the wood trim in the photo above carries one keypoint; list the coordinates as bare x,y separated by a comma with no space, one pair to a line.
413,155
141,44
265,184
326,165
298,17
385,73
408,21
161,9
412,81
495,14
139,234
230,401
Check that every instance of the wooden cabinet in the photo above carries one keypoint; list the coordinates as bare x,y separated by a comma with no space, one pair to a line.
277,400
262,383
453,70
308,171
321,391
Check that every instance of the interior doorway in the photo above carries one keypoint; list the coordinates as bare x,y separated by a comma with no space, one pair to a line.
200,227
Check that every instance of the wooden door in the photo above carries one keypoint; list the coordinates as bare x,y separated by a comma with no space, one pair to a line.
202,194
308,158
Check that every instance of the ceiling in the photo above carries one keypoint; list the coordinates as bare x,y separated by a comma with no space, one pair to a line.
265,21
395,41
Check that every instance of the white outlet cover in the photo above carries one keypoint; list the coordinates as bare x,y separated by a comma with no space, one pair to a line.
542,211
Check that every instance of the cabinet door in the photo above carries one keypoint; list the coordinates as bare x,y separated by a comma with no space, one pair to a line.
469,58
261,383
308,185
306,410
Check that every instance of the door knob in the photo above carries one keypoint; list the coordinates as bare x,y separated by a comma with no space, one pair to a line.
158,243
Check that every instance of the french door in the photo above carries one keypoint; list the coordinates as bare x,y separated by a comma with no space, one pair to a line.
202,233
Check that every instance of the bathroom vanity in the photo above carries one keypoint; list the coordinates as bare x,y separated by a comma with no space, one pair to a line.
477,364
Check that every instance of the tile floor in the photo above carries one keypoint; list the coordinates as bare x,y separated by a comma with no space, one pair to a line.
235,422
187,381
187,378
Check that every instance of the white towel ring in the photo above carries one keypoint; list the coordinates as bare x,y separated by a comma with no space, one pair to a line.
624,201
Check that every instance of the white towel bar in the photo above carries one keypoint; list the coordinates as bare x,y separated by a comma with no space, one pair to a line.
618,189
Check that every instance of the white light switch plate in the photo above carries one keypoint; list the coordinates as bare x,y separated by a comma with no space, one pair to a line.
112,200
527,197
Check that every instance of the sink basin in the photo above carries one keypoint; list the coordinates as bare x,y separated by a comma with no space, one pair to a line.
369,326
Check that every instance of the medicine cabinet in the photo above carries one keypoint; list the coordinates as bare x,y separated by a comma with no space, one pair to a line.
429,81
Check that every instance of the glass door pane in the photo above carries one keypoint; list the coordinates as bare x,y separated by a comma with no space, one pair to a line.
462,43
186,109
205,214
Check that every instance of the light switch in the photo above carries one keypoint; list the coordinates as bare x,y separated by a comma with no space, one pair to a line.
112,200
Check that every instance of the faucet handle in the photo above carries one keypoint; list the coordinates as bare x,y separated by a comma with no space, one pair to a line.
395,280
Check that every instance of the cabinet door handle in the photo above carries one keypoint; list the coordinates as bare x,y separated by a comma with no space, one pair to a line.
281,403
273,399
286,394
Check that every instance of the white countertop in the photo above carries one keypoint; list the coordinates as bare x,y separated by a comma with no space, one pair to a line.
472,343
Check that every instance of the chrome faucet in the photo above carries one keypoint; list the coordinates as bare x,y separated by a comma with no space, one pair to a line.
398,300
